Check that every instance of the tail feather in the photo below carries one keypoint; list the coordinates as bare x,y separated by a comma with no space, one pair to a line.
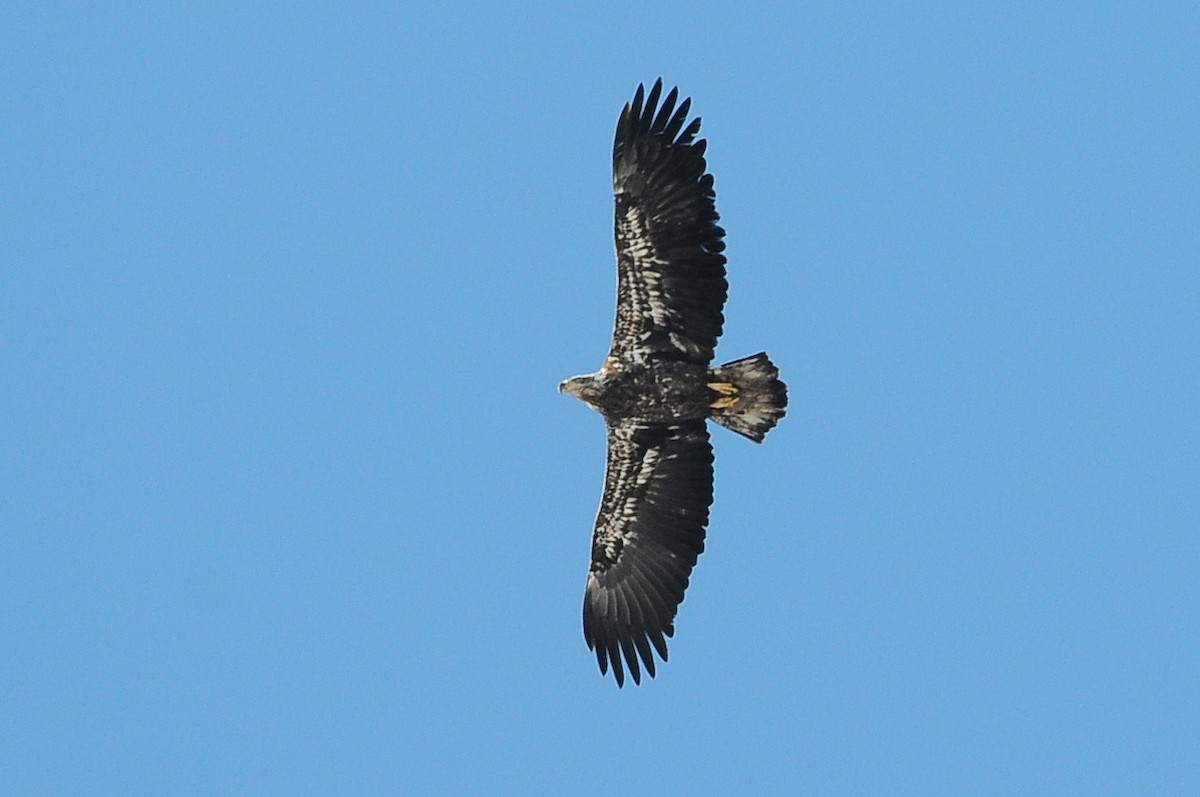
750,399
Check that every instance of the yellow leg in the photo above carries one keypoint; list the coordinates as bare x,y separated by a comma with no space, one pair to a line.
724,388
725,403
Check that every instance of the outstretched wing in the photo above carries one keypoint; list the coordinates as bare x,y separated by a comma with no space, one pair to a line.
670,271
658,487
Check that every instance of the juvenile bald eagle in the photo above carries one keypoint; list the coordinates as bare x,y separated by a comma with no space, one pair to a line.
657,386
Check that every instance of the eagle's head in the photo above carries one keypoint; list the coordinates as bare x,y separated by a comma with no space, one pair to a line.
586,387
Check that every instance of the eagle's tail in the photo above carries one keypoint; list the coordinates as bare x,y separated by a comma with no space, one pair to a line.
748,396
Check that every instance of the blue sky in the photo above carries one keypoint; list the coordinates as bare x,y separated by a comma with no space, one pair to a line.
291,504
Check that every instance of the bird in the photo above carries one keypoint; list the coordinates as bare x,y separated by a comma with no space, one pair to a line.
657,388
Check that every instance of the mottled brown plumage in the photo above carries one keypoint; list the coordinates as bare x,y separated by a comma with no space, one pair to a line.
657,387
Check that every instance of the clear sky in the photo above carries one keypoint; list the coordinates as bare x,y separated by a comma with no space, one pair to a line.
289,503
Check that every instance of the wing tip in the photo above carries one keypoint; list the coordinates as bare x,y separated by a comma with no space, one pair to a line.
623,649
650,113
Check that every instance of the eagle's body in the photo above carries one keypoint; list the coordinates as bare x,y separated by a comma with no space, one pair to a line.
660,392
657,387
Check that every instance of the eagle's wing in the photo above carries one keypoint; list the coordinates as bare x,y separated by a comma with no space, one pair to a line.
658,487
670,271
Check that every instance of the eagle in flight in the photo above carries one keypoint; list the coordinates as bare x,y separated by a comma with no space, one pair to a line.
657,387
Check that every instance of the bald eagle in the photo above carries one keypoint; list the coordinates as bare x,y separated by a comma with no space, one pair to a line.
657,387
